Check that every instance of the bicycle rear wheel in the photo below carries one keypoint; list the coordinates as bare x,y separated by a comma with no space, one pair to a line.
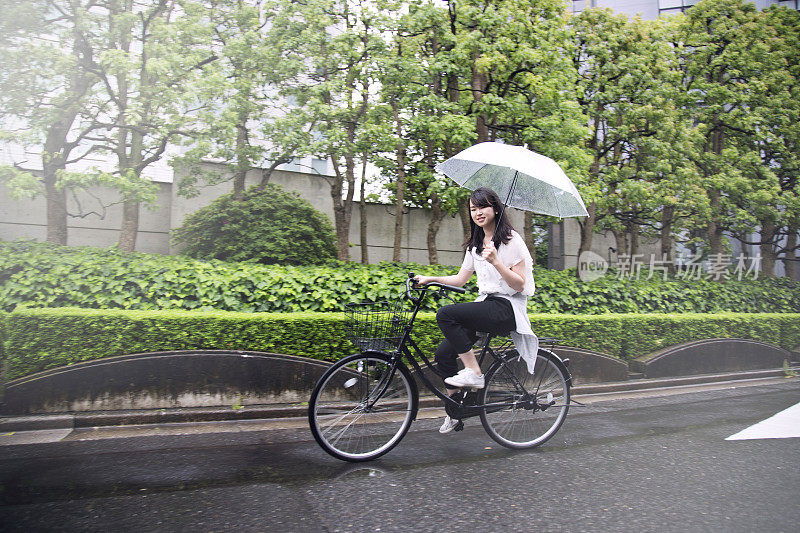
524,410
360,409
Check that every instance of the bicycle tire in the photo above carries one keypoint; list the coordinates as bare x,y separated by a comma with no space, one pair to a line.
516,421
344,417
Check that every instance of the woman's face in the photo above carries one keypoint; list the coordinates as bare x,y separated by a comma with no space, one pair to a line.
482,216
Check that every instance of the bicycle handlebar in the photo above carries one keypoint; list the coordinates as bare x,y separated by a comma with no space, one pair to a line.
432,284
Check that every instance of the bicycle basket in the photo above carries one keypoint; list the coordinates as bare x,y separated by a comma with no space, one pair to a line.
376,325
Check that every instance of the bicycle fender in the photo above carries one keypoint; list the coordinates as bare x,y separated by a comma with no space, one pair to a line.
550,355
560,364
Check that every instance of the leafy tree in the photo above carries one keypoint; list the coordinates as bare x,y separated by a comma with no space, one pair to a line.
149,67
505,68
246,127
477,71
46,76
739,88
622,67
774,197
267,225
328,50
414,105
719,43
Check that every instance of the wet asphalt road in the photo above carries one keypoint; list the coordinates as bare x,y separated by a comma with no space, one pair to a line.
636,464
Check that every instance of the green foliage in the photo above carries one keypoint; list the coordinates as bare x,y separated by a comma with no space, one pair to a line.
3,319
269,226
634,335
39,339
20,184
42,275
560,292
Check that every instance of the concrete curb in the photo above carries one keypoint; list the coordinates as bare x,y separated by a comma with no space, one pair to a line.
215,414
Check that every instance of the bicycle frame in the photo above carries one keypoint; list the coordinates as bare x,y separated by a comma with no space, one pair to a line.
451,405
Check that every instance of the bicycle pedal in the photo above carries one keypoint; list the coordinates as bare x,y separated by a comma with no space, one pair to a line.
459,426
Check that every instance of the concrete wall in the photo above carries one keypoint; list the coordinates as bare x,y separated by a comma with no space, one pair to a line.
567,237
25,219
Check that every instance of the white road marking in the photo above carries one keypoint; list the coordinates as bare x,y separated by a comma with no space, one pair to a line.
784,425
41,436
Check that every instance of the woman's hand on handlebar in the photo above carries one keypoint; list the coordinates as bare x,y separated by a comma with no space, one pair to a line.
422,280
419,283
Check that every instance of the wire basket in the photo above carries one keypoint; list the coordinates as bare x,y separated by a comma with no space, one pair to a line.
377,325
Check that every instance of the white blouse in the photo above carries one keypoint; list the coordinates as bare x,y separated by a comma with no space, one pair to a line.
491,282
489,279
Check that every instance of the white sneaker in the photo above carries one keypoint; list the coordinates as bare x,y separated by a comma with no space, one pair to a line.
466,378
448,425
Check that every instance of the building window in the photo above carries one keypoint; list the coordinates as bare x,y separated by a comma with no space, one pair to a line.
791,4
580,5
668,7
319,166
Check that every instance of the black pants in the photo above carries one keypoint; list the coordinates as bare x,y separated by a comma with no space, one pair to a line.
461,322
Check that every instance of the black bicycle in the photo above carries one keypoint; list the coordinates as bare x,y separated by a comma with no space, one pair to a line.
364,404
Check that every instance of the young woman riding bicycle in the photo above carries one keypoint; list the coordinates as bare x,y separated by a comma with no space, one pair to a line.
504,267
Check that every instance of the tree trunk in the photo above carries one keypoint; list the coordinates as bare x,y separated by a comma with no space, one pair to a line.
362,237
56,146
622,242
587,230
633,231
453,96
56,152
790,266
463,213
437,215
130,226
768,260
339,218
343,206
401,186
56,199
478,85
667,240
527,230
588,224
767,249
242,164
713,229
130,207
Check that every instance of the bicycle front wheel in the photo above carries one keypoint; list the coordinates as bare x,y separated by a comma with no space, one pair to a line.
523,410
361,408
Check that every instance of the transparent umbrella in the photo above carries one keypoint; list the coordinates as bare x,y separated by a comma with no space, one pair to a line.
527,180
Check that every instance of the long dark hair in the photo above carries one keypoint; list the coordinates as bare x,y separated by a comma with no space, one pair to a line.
485,197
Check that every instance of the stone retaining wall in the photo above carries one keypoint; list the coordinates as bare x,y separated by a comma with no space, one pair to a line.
208,378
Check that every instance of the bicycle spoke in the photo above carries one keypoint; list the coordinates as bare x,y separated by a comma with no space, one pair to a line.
361,407
535,404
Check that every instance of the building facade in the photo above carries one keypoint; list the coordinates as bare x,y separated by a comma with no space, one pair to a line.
652,9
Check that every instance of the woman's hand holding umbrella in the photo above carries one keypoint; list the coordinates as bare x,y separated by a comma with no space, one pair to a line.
489,253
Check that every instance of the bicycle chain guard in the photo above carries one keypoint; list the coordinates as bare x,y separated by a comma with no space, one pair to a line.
465,408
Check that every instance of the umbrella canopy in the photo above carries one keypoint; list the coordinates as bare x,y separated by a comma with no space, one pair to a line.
529,181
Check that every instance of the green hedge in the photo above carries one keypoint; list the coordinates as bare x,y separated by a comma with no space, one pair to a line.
45,275
38,339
